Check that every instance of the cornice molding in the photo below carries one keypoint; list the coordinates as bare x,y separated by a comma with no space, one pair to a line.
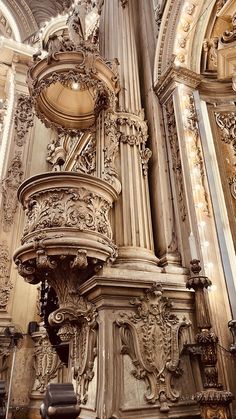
173,76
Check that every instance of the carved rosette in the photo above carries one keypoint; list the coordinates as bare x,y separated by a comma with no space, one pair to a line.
67,224
5,283
150,336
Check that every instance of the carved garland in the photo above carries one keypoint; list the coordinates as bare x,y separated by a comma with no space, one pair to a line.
150,336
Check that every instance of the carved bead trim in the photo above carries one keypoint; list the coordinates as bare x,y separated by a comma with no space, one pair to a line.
5,283
10,185
23,120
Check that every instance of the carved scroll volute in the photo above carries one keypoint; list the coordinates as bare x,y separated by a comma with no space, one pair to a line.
150,336
78,325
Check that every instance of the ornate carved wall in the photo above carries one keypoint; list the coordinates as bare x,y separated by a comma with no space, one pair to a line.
117,129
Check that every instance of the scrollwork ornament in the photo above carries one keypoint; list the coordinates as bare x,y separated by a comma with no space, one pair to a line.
227,125
5,282
10,185
23,120
150,336
46,363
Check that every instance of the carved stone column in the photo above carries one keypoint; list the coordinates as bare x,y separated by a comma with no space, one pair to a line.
132,217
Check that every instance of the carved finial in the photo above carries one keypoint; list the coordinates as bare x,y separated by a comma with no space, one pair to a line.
195,266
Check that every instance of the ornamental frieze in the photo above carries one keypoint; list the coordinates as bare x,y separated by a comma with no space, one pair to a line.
62,207
150,337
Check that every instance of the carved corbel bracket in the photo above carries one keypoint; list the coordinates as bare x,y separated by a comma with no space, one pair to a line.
150,336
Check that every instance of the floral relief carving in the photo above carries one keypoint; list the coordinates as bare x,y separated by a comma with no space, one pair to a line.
232,183
150,336
46,363
145,155
175,153
5,283
227,125
23,120
77,322
85,161
62,207
191,125
10,185
111,147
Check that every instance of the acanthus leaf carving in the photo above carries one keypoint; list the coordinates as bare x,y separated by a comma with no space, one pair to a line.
10,185
23,120
150,336
227,123
63,207
145,155
5,282
46,363
85,161
111,147
78,325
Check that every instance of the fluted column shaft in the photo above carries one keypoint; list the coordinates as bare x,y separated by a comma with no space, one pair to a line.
132,217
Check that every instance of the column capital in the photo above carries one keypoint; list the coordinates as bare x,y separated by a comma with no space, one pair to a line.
172,77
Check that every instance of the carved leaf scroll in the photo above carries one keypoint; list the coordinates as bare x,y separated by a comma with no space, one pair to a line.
23,120
150,336
5,283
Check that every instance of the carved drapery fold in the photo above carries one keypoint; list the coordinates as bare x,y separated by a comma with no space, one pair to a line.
150,336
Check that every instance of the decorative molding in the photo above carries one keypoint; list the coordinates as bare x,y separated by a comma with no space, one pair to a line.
85,161
46,363
77,322
23,120
65,207
232,183
5,283
190,122
175,154
227,122
150,336
111,148
10,185
145,155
